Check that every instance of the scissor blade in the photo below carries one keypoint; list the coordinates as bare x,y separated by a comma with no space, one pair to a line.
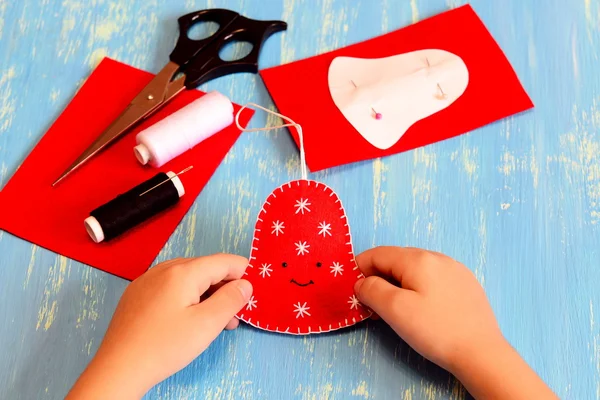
150,99
132,114
176,87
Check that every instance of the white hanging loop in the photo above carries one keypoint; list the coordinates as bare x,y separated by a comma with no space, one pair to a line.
304,169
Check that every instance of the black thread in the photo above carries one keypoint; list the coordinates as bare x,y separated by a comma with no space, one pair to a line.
130,209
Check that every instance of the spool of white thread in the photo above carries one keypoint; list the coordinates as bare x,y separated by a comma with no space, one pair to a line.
184,129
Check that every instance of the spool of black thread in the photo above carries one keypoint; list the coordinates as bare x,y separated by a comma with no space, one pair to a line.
134,207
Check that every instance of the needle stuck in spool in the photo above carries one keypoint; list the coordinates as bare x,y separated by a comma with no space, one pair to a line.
170,179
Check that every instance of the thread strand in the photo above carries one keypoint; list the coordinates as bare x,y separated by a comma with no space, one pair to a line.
304,169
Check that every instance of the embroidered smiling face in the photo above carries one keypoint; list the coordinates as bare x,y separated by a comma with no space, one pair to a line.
302,264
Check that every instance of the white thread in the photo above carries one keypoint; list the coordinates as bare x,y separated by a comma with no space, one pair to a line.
303,167
184,129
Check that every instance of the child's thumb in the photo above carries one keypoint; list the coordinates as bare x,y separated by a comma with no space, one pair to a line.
388,301
216,311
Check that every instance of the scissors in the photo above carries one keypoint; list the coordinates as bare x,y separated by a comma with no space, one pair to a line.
192,63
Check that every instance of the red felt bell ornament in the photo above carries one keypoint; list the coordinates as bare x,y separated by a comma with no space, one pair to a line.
302,263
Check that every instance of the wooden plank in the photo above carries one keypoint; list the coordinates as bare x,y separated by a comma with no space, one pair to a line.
517,201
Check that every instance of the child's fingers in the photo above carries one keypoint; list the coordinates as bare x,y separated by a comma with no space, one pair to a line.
212,289
210,270
169,263
390,302
232,324
216,312
392,262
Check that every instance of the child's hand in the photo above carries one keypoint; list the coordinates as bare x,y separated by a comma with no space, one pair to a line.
437,306
441,310
160,326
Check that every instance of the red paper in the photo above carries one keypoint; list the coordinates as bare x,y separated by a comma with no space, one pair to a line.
300,90
302,264
53,217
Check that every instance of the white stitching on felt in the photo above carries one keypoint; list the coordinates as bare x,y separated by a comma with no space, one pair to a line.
258,223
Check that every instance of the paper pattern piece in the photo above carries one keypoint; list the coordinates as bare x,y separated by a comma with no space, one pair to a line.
403,89
302,263
301,90
32,209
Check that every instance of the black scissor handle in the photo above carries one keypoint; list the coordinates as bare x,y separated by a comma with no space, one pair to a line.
186,49
208,65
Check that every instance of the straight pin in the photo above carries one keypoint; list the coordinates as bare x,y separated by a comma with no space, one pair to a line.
378,116
442,94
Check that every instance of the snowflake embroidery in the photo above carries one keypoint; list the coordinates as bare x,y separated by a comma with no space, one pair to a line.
302,248
354,303
336,269
265,270
277,228
301,310
324,229
251,304
302,205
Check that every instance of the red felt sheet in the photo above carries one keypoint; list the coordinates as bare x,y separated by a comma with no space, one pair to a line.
32,209
300,90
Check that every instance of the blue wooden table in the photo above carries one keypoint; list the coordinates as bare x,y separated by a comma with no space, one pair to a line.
517,201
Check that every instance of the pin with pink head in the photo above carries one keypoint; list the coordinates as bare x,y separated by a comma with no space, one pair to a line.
378,116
